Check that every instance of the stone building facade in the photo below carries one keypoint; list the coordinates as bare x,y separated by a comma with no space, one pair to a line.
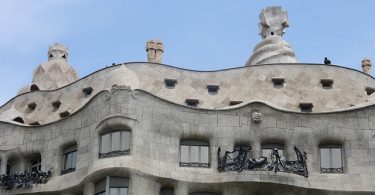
274,126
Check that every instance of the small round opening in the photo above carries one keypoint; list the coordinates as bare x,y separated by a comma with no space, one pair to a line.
272,33
34,87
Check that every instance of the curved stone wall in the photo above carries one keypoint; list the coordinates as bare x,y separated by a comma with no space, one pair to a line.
157,126
302,84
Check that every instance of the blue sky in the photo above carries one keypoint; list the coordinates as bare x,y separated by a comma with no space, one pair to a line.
201,35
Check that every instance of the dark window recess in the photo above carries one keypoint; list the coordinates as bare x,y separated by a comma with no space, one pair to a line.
34,87
36,123
192,102
64,56
278,82
369,90
306,107
31,106
213,89
64,114
170,83
326,83
19,120
56,105
232,103
87,91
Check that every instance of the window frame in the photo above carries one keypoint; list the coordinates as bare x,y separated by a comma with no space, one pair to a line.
110,183
114,153
36,162
70,150
200,144
331,169
272,146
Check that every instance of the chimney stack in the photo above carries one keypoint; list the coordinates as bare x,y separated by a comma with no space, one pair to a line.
154,49
366,66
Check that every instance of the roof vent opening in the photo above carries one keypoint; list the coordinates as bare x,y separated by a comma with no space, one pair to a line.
192,102
87,91
306,107
64,114
19,120
36,123
56,105
369,90
34,87
232,103
170,83
31,106
326,83
213,89
278,82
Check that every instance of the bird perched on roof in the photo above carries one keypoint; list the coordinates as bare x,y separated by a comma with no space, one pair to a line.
327,61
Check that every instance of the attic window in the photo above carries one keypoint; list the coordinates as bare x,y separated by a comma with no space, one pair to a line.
87,91
170,83
34,87
369,90
31,106
19,120
213,89
232,103
192,102
326,83
64,114
278,82
56,105
36,123
306,107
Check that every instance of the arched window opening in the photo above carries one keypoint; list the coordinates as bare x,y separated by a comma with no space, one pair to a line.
331,160
194,153
114,143
69,159
112,186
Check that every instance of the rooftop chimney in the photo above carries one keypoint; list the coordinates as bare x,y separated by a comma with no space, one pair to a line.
366,66
154,49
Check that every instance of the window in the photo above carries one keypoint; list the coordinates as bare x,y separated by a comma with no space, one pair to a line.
192,102
34,87
194,153
112,185
306,107
35,123
114,143
267,150
278,82
232,103
170,83
87,91
69,159
166,191
203,193
331,159
18,120
213,89
326,83
56,105
64,114
369,90
31,106
36,164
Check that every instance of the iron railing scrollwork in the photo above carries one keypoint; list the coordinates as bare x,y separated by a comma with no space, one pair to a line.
238,160
114,153
332,170
24,180
66,171
194,164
